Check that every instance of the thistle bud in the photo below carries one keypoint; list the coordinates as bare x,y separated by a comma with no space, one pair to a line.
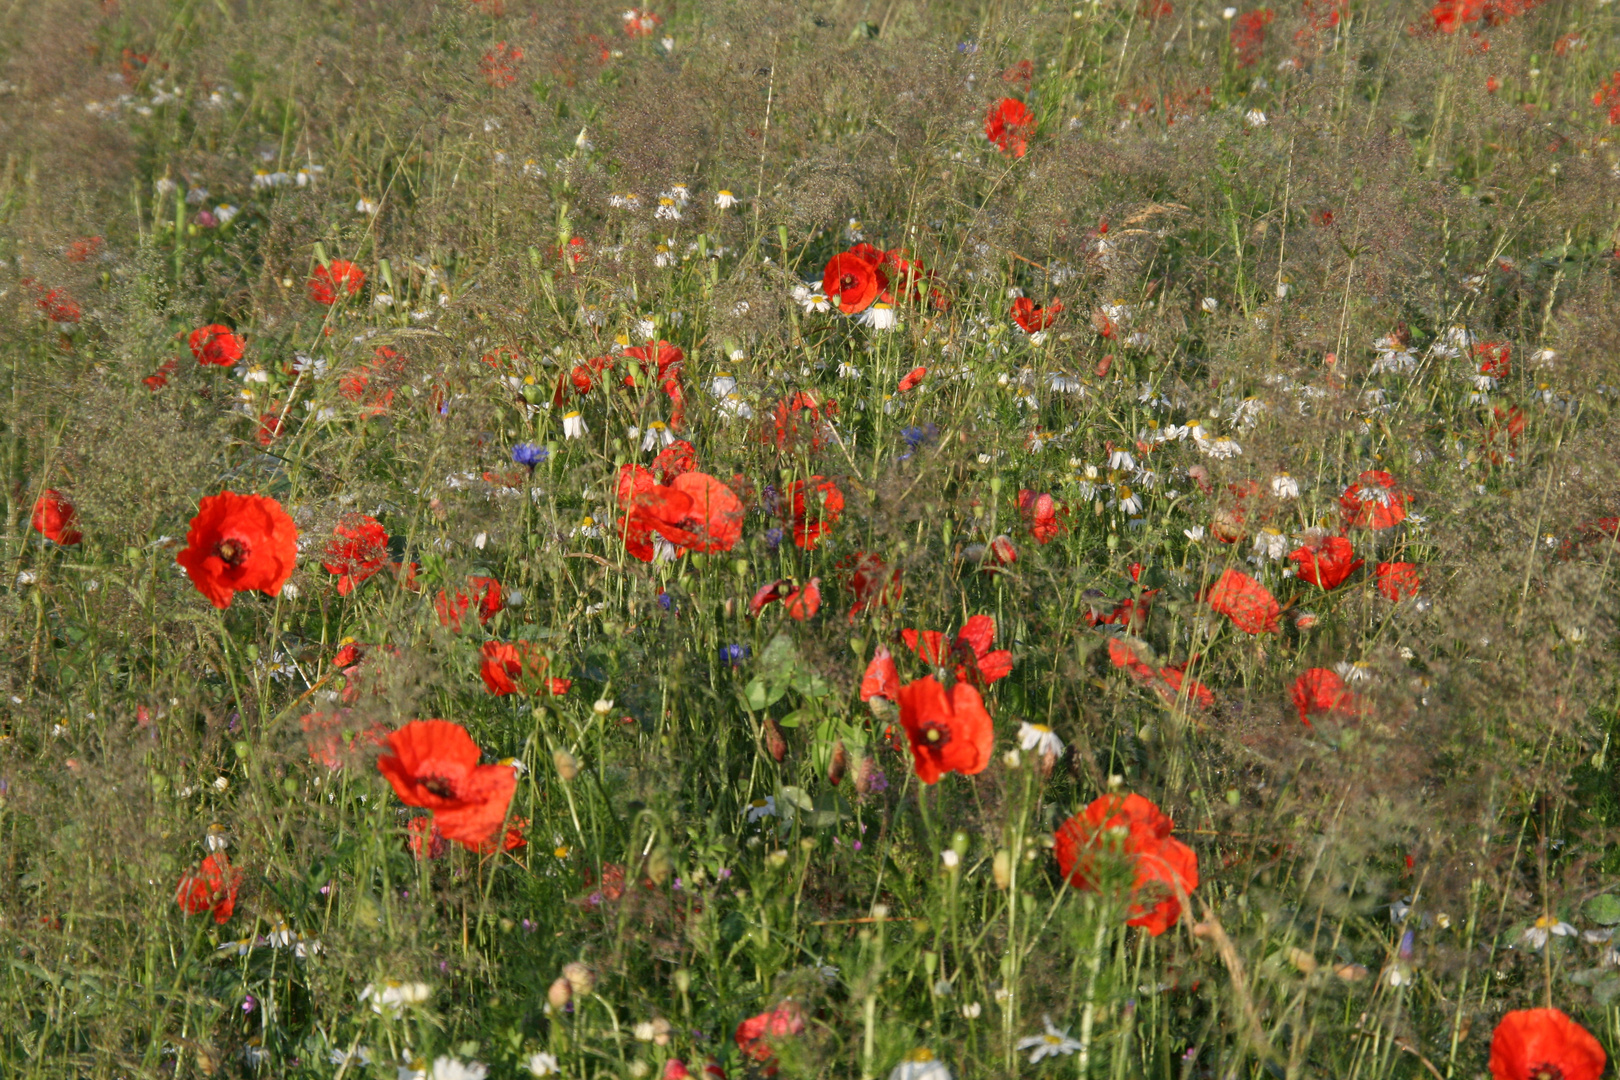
840,762
567,765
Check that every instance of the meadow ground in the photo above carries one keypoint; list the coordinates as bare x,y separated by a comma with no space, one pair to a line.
917,539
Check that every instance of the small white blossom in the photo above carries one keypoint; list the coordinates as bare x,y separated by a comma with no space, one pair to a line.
1038,738
1048,1044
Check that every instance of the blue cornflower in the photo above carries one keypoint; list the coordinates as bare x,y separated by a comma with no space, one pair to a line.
734,654
773,538
530,454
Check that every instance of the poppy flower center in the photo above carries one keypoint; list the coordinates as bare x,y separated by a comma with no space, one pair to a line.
1546,1071
231,551
439,786
936,734
847,282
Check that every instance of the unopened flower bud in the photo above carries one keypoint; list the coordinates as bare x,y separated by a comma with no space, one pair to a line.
950,858
560,993
567,765
581,979
603,706
1001,868
839,762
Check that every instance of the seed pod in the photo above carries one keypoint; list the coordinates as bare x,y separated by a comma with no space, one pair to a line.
1001,868
774,741
567,765
840,762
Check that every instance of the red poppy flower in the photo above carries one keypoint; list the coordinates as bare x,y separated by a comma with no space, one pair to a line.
1129,613
1245,601
669,359
511,840
386,366
58,306
1544,1044
425,840
1328,564
999,553
1008,124
800,416
1495,358
908,277
1133,830
1041,514
882,678
452,606
673,460
217,345
210,887
1170,682
358,549
1320,691
1248,36
851,282
1034,319
693,511
333,280
269,428
751,1035
978,664
1122,655
1397,580
328,733
801,601
912,378
949,732
512,667
1374,501
816,504
869,580
160,378
499,65
237,543
434,765
53,518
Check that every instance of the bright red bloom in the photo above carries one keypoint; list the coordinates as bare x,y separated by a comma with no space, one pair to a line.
1374,501
210,887
851,282
386,366
269,428
800,416
333,280
328,733
977,663
53,519
780,1022
425,841
998,553
1032,318
801,602
452,606
1133,829
1495,358
160,378
816,505
693,511
217,345
499,65
58,306
1245,601
882,678
1170,682
1608,97
1544,1044
1042,515
514,667
358,549
1320,691
949,732
434,765
1122,655
1397,580
1327,564
1248,36
511,840
1008,124
870,580
237,543
83,249
912,378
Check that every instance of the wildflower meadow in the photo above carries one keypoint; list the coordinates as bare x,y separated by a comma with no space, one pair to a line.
910,539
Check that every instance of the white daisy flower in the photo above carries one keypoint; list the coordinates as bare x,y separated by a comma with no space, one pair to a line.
1048,1044
1038,738
574,426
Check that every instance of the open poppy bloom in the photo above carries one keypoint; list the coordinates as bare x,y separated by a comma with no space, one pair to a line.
53,519
328,736
518,667
1495,358
217,345
977,664
870,580
851,281
753,1033
1008,124
160,378
1544,1044
693,511
800,416
1321,692
452,606
912,378
1041,514
210,887
434,764
337,278
882,678
1034,319
1397,580
370,385
237,543
1374,502
1245,601
816,505
801,602
1328,563
1170,682
1131,830
949,732
357,550
511,840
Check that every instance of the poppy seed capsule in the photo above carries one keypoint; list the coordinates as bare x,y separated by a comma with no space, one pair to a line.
579,976
567,765
560,993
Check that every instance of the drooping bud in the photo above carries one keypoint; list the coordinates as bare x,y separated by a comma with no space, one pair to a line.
567,765
840,762
775,743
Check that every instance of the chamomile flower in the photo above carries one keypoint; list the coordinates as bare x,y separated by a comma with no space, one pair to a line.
574,425
1050,1043
1038,738
724,199
920,1064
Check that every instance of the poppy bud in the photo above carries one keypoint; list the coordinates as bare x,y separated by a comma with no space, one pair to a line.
659,867
579,976
1001,868
567,765
840,762
774,742
560,993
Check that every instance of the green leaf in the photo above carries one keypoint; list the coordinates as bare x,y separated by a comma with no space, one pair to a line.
1604,910
756,695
